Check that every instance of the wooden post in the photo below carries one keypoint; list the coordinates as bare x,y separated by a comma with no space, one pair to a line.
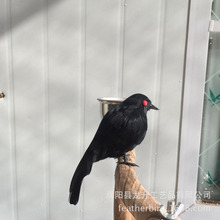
131,200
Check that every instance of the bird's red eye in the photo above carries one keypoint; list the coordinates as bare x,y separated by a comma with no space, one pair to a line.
144,103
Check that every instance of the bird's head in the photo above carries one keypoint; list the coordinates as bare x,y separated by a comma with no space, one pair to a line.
141,101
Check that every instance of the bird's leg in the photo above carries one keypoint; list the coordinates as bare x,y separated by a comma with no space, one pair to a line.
126,161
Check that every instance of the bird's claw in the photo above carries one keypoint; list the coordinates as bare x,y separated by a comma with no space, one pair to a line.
126,158
128,163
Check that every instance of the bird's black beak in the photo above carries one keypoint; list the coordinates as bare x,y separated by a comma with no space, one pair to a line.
153,107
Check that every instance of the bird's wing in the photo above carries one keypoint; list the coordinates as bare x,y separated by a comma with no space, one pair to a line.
120,129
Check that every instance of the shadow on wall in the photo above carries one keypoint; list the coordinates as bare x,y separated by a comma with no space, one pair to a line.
16,12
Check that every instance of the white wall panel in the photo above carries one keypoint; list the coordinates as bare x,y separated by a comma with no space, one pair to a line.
7,188
63,87
101,48
56,59
141,54
172,63
28,93
153,64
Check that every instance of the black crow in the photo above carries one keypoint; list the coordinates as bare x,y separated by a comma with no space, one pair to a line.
121,129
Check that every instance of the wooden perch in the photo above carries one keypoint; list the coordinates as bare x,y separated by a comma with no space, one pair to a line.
131,200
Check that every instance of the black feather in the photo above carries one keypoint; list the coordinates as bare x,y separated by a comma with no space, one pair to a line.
121,129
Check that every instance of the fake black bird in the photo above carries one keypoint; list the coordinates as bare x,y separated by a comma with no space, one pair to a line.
121,129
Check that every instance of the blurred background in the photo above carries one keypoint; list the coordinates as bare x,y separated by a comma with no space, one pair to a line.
56,58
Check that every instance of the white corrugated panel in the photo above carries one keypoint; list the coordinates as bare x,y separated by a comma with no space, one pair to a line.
56,58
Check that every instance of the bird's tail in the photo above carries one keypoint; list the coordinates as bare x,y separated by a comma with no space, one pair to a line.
83,169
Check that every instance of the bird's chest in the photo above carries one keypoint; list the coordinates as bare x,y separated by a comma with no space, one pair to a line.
134,130
138,132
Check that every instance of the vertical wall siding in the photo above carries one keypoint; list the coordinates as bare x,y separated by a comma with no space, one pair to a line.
142,74
101,48
172,63
56,59
27,92
7,188
64,88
